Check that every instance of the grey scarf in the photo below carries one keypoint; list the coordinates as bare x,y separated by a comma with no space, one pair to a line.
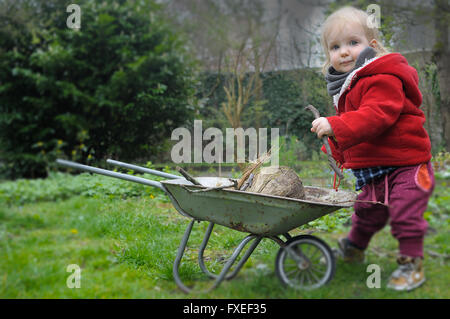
336,79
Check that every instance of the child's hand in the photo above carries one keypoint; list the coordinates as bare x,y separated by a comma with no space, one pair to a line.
322,127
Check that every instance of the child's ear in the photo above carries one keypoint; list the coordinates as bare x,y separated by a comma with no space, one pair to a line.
373,43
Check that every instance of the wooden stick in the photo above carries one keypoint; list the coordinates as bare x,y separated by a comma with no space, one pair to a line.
327,145
208,189
247,183
259,161
187,176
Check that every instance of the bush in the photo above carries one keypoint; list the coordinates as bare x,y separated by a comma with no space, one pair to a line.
116,87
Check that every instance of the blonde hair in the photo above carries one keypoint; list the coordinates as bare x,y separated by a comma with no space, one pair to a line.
343,16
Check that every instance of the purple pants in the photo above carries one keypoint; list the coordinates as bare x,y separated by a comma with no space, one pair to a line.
406,192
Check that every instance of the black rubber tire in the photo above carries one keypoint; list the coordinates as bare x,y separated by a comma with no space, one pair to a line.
327,258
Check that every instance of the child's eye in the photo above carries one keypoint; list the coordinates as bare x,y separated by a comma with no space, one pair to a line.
335,47
353,42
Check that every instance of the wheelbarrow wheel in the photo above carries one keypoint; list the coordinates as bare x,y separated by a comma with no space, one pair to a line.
306,262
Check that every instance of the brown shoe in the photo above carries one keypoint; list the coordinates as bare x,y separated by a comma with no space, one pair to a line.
349,252
409,274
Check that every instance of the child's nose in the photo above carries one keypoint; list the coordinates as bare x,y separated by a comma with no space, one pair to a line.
344,51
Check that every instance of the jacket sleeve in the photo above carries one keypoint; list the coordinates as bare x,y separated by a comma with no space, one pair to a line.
336,153
381,104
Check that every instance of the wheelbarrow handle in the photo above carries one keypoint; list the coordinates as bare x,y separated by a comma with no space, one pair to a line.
327,145
105,172
143,169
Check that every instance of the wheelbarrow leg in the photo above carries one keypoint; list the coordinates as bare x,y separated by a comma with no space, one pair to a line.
241,262
234,256
246,255
202,250
223,274
180,253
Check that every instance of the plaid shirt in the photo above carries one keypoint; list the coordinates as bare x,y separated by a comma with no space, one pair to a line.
365,175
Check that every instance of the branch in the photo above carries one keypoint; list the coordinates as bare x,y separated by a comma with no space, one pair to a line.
187,176
327,145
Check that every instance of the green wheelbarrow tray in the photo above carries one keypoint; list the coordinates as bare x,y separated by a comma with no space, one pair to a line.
302,262
254,213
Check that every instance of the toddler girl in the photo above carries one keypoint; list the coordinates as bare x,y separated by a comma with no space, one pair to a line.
378,133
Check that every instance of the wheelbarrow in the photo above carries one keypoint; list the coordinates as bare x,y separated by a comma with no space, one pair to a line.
302,262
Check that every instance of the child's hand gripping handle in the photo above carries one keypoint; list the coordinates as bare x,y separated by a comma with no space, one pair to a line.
327,145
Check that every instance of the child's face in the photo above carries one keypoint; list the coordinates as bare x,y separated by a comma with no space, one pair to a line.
344,46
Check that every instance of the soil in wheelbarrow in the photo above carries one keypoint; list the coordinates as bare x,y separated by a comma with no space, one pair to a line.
329,196
283,181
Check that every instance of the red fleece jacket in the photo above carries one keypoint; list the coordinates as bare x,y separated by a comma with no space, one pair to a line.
378,120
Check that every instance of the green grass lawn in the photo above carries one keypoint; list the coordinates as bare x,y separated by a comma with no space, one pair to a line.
125,241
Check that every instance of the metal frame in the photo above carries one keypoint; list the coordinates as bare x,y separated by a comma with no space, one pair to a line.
224,273
226,268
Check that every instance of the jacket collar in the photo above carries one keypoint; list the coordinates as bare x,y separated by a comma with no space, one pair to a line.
351,78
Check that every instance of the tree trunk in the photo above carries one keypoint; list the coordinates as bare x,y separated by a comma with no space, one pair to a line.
441,56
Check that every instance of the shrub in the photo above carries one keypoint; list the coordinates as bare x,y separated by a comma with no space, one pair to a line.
116,87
